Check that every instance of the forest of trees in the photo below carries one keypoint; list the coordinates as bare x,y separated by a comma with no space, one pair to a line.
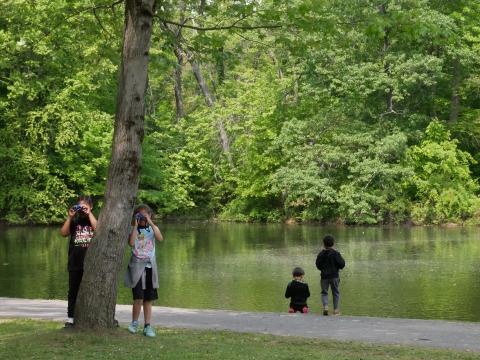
332,111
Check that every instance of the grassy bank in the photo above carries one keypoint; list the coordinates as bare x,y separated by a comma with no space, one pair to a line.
34,339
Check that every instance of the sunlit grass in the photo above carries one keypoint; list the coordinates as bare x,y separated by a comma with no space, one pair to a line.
35,339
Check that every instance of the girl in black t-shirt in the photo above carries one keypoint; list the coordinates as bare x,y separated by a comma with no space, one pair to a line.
80,229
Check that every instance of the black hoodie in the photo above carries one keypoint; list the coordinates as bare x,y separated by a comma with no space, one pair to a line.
299,292
329,261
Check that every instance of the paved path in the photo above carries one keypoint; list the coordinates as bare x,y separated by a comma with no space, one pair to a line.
431,333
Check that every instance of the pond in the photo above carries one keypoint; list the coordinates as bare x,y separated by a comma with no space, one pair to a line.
418,272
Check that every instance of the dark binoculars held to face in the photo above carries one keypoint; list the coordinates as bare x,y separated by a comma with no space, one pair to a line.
140,217
77,207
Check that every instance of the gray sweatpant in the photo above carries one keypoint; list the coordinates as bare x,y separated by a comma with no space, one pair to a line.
334,283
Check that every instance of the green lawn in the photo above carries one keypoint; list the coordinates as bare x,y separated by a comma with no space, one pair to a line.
34,339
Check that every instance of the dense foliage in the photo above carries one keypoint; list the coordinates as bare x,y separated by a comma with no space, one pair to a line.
351,112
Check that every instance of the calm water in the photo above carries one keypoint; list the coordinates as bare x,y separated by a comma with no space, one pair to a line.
426,273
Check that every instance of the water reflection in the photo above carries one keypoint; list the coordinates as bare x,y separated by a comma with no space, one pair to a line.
428,273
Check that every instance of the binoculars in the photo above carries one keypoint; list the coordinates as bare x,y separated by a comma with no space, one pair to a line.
77,207
140,217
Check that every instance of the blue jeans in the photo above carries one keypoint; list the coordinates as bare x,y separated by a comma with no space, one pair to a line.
334,283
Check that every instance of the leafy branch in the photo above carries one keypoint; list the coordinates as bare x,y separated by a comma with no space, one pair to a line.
234,25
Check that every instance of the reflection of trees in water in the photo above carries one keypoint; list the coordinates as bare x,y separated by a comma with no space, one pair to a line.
413,272
37,259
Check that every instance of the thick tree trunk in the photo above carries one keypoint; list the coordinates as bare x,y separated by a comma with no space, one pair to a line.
95,308
454,110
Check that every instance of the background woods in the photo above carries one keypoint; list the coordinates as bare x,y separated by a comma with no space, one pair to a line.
351,113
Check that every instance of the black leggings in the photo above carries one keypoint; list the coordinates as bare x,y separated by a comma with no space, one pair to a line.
74,281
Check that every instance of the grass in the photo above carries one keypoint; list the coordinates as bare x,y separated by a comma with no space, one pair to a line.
36,339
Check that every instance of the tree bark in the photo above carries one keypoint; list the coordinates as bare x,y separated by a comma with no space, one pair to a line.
454,110
202,83
295,86
95,308
223,137
178,84
389,95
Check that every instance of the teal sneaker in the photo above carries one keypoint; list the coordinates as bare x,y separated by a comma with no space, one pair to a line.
133,328
148,332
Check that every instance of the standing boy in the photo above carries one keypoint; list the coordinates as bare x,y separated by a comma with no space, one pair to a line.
329,262
298,291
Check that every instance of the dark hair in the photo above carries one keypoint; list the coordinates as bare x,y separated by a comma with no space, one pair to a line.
142,207
328,240
86,198
298,271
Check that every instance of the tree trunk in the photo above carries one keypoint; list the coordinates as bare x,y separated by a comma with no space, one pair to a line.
201,82
178,84
454,110
221,68
223,137
389,95
95,308
295,86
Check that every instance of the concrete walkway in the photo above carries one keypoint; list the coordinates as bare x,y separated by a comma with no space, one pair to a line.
431,333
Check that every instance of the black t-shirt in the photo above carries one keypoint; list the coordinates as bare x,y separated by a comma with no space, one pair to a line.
298,291
81,233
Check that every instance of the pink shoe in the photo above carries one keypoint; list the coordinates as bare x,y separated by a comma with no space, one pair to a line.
291,311
305,310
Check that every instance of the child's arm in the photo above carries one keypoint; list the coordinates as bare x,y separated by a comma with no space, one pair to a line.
156,232
308,292
319,261
339,260
93,221
133,235
287,292
66,226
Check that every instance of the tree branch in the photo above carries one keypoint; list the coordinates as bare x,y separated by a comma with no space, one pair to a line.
232,26
99,22
110,6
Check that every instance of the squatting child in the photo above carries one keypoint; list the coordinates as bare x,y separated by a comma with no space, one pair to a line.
141,274
298,291
79,225
329,262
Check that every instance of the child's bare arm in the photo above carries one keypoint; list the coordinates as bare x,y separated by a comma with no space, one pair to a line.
66,226
133,235
93,221
156,232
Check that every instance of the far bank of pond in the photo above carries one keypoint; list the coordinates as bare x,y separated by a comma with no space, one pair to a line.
417,272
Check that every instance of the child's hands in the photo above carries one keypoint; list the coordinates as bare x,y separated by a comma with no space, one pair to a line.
86,210
149,220
71,212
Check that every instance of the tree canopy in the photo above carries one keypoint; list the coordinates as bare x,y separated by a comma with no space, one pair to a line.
332,111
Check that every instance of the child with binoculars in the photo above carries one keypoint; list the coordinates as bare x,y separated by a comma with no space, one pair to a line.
141,274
